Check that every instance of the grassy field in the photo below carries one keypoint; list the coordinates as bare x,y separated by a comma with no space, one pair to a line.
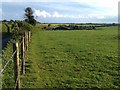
72,59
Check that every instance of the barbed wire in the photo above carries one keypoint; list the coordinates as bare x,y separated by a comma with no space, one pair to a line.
7,63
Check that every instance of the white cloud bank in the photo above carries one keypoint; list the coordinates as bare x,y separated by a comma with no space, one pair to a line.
45,14
102,9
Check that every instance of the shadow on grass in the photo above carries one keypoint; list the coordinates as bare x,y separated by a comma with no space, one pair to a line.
5,37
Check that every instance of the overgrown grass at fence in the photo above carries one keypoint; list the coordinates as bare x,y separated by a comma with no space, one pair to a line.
8,74
8,66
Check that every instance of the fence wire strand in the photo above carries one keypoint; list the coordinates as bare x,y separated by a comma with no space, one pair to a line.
16,83
7,63
20,63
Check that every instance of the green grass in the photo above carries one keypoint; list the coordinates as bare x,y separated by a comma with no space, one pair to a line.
8,73
72,59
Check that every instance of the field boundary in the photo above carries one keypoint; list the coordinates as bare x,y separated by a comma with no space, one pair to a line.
19,65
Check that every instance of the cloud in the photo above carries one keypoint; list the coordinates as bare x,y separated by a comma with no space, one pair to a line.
74,10
57,15
100,6
39,13
45,14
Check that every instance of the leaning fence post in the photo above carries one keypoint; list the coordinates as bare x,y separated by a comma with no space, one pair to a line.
23,55
16,66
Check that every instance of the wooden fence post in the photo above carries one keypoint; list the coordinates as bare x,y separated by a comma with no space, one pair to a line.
29,34
26,40
16,66
23,55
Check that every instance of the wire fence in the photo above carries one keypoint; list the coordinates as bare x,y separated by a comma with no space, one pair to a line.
19,62
7,63
16,82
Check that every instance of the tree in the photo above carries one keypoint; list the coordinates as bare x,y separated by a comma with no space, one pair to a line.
49,25
11,21
8,28
4,21
29,16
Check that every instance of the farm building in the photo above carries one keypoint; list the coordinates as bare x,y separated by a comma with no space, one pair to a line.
72,28
63,28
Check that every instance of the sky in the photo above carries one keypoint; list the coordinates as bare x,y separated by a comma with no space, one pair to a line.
58,11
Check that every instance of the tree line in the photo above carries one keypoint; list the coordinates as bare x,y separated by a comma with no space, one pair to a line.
19,26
